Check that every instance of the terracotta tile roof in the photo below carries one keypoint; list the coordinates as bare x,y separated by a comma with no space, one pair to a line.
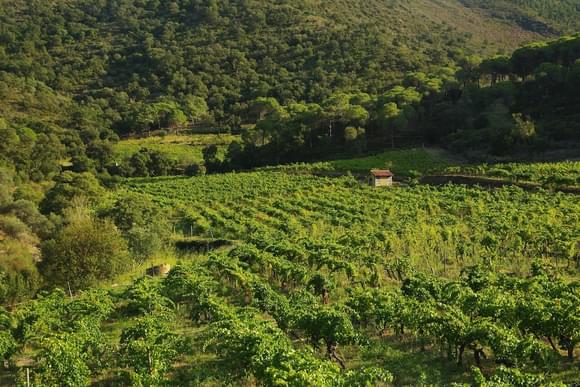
381,173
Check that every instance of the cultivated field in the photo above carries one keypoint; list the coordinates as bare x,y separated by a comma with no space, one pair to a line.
402,280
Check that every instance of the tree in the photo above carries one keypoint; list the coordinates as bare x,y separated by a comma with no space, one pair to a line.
392,120
83,253
338,109
303,121
195,108
470,70
139,163
210,159
497,67
401,96
70,185
150,162
524,129
45,157
196,169
159,163
269,117
526,59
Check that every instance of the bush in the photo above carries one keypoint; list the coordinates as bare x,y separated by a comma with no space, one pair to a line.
498,172
68,186
19,277
195,170
144,243
12,226
85,252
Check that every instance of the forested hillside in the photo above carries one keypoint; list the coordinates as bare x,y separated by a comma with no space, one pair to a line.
119,56
536,15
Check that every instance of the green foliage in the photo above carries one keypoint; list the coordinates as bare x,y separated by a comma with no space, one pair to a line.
195,170
506,376
143,226
83,253
308,287
8,345
19,277
147,163
311,286
148,347
67,333
60,363
182,150
566,174
144,298
68,186
401,162
192,56
251,344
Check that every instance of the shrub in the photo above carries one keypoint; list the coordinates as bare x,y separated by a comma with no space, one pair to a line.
195,170
84,252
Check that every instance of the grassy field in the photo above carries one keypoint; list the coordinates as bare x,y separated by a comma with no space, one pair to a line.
184,149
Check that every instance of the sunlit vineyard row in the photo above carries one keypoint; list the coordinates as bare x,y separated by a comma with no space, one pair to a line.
435,228
565,173
406,162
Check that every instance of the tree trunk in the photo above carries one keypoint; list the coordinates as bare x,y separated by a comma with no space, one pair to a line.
477,355
460,355
332,349
149,362
552,345
450,354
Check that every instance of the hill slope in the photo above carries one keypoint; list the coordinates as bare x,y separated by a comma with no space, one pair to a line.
118,52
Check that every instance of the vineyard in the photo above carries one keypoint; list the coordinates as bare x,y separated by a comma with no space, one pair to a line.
436,229
326,282
560,174
333,268
287,193
407,162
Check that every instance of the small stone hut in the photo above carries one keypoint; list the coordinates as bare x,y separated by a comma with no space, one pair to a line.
381,178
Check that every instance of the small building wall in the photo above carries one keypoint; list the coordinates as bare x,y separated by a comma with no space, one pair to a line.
381,181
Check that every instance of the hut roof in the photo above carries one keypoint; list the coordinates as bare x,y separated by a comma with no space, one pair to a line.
381,173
